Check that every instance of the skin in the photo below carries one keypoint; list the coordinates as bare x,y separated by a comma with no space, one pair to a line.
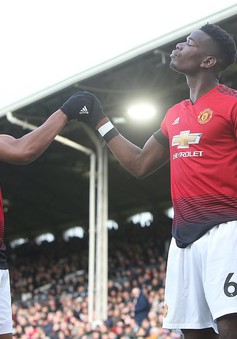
197,59
29,147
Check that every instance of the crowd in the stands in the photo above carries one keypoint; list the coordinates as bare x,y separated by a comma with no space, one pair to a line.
49,288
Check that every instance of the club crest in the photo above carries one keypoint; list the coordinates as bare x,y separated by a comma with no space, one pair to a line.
205,116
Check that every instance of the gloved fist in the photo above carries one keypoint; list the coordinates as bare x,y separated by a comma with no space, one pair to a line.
84,106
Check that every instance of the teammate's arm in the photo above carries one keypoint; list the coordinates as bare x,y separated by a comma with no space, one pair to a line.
138,161
30,146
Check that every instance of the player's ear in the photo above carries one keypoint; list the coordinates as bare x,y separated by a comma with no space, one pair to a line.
208,61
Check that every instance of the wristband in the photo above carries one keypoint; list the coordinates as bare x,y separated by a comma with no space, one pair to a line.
108,131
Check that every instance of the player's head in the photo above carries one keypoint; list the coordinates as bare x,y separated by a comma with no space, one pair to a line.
209,48
222,43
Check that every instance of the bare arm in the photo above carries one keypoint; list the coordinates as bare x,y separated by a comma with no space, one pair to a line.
30,146
138,161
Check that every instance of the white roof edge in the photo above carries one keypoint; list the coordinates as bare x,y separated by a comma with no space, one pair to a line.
162,40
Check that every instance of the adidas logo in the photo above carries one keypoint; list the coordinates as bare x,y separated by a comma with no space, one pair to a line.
176,121
84,110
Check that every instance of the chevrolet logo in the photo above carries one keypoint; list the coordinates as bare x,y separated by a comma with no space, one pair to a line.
185,138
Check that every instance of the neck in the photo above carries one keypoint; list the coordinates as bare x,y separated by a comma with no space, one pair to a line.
199,87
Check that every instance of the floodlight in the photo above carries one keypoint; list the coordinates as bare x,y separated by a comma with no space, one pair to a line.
141,112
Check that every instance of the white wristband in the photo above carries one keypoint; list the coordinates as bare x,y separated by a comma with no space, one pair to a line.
105,128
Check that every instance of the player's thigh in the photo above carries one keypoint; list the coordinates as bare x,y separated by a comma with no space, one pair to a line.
227,326
220,280
5,306
207,333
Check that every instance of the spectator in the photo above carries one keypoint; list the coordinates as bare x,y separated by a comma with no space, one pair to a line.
64,313
142,305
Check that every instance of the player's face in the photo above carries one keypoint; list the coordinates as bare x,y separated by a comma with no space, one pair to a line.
188,55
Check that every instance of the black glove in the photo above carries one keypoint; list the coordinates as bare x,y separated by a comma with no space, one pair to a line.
84,106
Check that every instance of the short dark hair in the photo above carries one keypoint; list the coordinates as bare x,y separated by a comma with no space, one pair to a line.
226,44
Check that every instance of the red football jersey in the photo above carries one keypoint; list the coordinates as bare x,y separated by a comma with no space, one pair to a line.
203,162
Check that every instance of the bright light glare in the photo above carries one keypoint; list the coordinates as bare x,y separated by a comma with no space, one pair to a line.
144,219
141,112
112,224
74,232
18,242
170,212
49,237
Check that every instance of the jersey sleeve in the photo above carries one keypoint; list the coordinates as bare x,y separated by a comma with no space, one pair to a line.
159,136
162,134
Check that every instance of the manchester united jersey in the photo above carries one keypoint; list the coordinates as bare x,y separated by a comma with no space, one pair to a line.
3,263
203,162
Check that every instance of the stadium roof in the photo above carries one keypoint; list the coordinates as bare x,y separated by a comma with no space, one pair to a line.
52,192
31,68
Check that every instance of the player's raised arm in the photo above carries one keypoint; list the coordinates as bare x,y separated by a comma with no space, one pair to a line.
138,161
30,146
